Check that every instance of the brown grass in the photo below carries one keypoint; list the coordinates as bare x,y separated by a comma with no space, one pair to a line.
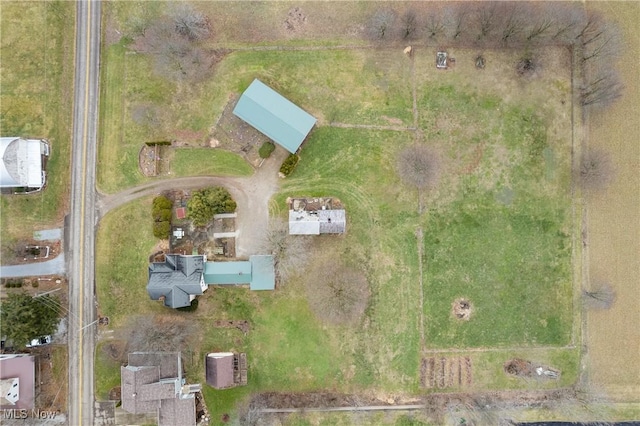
614,228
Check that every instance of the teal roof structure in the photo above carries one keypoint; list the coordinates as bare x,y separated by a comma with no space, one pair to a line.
221,273
274,115
264,276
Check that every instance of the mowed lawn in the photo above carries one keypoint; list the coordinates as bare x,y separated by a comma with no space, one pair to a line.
138,106
36,46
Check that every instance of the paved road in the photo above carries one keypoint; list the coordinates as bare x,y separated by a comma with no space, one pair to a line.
82,216
55,266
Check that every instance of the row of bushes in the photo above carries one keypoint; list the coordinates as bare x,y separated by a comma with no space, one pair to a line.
289,165
161,213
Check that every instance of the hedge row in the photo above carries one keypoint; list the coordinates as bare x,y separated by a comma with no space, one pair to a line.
289,164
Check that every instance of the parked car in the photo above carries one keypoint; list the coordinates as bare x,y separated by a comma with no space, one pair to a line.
40,341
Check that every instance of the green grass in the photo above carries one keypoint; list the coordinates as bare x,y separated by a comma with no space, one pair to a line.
500,236
106,373
123,245
208,162
37,77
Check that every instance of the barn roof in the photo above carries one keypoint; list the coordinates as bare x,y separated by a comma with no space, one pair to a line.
274,115
21,163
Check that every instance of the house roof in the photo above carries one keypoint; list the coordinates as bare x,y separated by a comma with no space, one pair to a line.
177,411
152,382
169,363
263,270
219,370
258,272
303,222
21,163
238,272
274,115
17,369
177,278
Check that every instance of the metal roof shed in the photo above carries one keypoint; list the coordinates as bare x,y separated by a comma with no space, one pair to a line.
275,116
264,275
221,273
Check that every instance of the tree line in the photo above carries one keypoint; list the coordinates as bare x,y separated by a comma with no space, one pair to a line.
525,25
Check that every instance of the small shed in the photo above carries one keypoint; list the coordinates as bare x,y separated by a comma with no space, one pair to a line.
226,369
219,370
274,115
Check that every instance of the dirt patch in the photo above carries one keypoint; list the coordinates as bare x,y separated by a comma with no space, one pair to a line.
295,21
527,369
233,134
461,309
31,251
445,372
154,160
241,325
114,350
115,394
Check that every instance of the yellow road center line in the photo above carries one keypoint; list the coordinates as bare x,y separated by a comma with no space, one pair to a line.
82,211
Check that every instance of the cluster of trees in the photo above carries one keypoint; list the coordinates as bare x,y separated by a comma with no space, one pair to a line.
175,41
337,294
207,202
24,318
520,24
161,212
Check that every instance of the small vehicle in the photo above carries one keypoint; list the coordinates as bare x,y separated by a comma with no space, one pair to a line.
40,341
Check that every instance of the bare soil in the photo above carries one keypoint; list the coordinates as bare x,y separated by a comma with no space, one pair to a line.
461,309
446,372
233,134
22,254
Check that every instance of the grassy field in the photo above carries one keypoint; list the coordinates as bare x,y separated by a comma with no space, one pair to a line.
37,76
208,162
497,229
614,228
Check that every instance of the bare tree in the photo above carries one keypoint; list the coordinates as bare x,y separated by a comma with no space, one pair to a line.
512,22
602,89
409,25
456,19
291,252
485,21
601,297
155,334
434,26
190,23
568,21
596,169
336,293
540,23
381,24
419,166
177,57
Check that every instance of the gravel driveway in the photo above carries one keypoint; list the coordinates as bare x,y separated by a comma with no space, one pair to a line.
252,194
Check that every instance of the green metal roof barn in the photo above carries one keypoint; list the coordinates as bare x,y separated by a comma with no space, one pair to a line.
275,116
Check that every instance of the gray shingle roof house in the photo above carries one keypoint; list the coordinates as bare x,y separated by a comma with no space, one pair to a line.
180,278
177,280
153,382
22,163
17,381
275,116
302,222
